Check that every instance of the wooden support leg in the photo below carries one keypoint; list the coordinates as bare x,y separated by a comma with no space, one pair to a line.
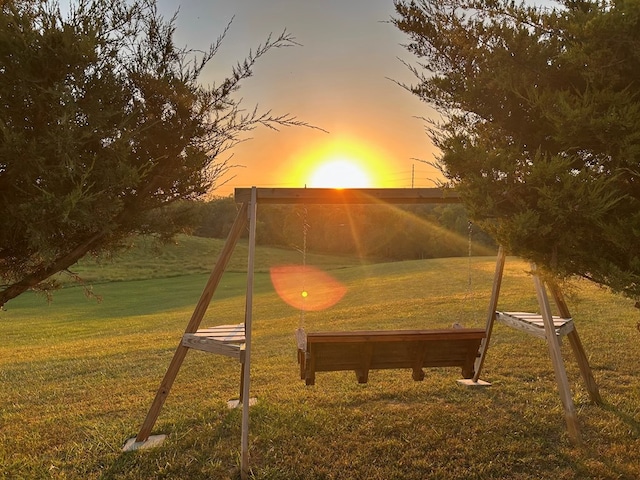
469,364
310,368
162,393
585,369
244,434
240,401
366,354
310,379
573,426
418,360
417,374
301,362
248,322
241,396
576,346
491,315
362,375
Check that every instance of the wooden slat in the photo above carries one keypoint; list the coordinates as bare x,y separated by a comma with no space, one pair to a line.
227,340
224,333
348,195
224,337
394,335
533,323
208,344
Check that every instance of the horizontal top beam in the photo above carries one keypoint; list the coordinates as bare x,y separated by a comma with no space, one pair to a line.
348,195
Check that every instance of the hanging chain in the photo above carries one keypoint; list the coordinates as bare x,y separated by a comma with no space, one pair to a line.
303,292
469,252
301,337
467,294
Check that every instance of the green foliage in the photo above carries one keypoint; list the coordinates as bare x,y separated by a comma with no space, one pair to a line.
216,217
541,125
368,231
104,128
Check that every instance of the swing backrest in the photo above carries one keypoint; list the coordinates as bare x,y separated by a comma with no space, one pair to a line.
362,351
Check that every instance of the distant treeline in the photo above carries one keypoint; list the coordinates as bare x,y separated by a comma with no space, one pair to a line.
371,231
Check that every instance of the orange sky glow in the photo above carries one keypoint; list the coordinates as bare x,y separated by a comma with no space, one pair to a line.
339,164
340,79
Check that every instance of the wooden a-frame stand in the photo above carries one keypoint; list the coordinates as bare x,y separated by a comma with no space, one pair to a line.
552,329
235,340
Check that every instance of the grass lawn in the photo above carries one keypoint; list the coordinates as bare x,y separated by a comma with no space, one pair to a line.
77,378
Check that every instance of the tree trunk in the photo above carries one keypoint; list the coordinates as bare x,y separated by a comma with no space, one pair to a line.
61,263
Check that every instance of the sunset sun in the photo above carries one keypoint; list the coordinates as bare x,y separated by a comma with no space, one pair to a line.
340,163
339,173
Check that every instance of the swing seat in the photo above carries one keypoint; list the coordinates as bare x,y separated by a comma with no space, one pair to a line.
362,351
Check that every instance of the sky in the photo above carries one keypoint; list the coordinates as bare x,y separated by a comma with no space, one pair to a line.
340,79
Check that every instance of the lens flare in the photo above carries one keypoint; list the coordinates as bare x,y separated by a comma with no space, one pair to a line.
305,287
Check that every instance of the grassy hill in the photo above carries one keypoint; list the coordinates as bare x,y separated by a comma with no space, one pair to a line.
187,255
77,378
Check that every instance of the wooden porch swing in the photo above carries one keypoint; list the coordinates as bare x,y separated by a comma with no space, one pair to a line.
362,351
359,351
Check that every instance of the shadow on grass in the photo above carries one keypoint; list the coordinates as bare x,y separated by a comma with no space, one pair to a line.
361,437
203,447
208,445
589,459
134,298
632,423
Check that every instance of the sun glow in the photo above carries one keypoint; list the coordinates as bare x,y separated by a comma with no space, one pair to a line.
341,163
339,173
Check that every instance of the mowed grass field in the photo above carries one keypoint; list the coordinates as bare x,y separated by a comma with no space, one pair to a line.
77,378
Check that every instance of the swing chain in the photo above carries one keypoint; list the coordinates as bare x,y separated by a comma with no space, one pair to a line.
300,332
469,253
469,289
